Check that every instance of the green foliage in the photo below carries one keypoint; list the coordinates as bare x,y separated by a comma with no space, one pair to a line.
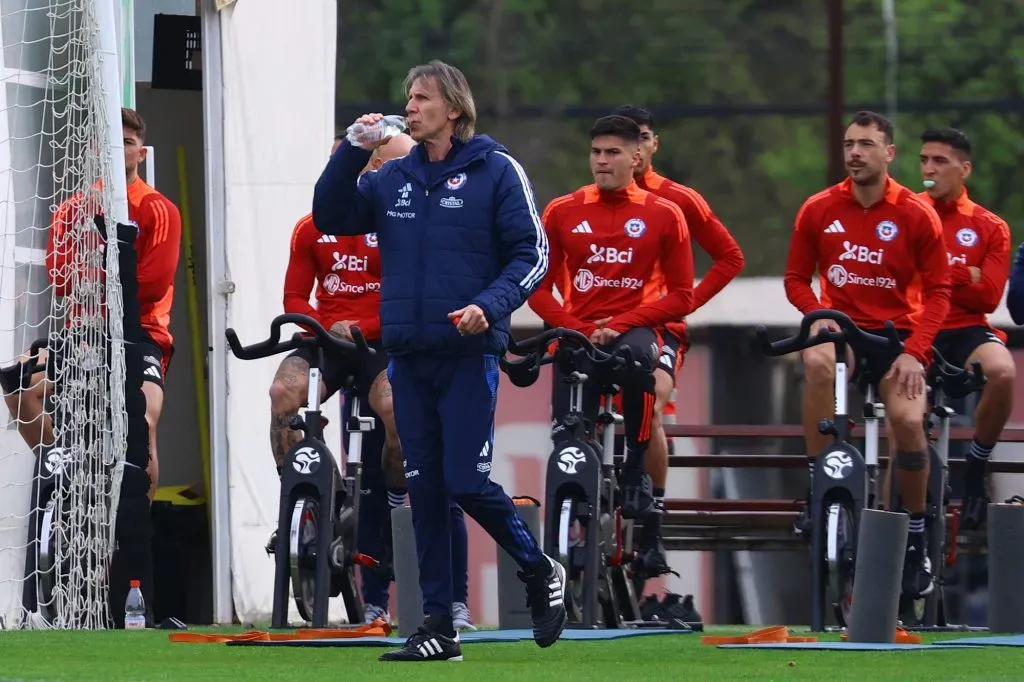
677,55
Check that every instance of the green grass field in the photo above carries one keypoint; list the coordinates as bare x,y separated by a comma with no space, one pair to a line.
118,655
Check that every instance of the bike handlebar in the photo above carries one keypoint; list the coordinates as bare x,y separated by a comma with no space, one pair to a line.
525,371
857,338
320,339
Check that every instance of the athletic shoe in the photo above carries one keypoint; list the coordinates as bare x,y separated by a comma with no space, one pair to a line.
672,607
974,510
637,493
372,612
652,562
917,570
461,618
427,645
271,544
545,589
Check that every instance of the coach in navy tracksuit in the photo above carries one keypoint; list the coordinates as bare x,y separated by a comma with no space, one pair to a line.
461,247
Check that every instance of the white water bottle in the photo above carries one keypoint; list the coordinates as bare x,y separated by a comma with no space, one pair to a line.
366,136
135,608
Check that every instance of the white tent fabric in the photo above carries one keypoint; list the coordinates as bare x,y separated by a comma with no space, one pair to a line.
278,69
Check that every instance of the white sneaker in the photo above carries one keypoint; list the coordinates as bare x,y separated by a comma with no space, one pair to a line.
372,612
461,618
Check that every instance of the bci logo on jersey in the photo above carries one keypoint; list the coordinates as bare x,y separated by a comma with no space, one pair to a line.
349,263
861,254
957,260
609,254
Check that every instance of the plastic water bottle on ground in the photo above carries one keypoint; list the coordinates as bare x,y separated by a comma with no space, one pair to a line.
135,608
366,136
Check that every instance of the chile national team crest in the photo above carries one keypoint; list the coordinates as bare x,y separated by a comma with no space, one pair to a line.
456,181
371,240
635,227
966,237
887,230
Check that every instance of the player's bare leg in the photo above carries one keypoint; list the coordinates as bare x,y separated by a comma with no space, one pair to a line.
652,560
391,456
912,464
287,396
989,420
28,408
154,407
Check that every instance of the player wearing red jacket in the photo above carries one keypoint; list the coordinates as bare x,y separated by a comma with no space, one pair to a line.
344,274
158,245
727,262
978,242
621,259
879,253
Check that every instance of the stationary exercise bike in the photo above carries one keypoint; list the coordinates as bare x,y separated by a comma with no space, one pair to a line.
316,527
845,482
587,534
944,381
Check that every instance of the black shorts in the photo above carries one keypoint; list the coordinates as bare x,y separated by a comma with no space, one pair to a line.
647,348
956,345
672,351
875,364
154,364
335,373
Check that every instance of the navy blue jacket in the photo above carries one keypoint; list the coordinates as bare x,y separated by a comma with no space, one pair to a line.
454,232
1015,292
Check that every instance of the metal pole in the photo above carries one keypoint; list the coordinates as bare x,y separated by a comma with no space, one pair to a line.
836,103
891,58
219,289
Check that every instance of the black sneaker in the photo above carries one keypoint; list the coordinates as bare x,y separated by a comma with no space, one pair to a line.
427,645
545,591
917,570
974,510
672,607
652,562
637,493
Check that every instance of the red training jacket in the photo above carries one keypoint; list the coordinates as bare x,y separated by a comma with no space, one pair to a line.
884,262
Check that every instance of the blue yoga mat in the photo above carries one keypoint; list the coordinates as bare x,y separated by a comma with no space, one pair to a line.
1007,640
480,636
840,646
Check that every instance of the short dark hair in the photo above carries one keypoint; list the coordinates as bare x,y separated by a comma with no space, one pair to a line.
870,118
955,138
618,126
131,120
639,115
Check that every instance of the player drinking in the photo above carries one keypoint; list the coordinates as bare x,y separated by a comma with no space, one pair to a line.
158,246
727,262
611,243
978,243
343,273
879,253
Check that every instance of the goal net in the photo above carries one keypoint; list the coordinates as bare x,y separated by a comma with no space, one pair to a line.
61,165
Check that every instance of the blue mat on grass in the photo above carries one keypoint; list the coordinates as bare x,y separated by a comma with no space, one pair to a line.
1006,640
844,646
480,636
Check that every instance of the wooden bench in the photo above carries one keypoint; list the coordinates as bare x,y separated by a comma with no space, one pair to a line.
764,524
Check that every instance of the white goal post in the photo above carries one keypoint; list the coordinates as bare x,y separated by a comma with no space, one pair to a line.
61,154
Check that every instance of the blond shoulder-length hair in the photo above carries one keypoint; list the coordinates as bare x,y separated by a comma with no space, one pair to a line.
454,90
